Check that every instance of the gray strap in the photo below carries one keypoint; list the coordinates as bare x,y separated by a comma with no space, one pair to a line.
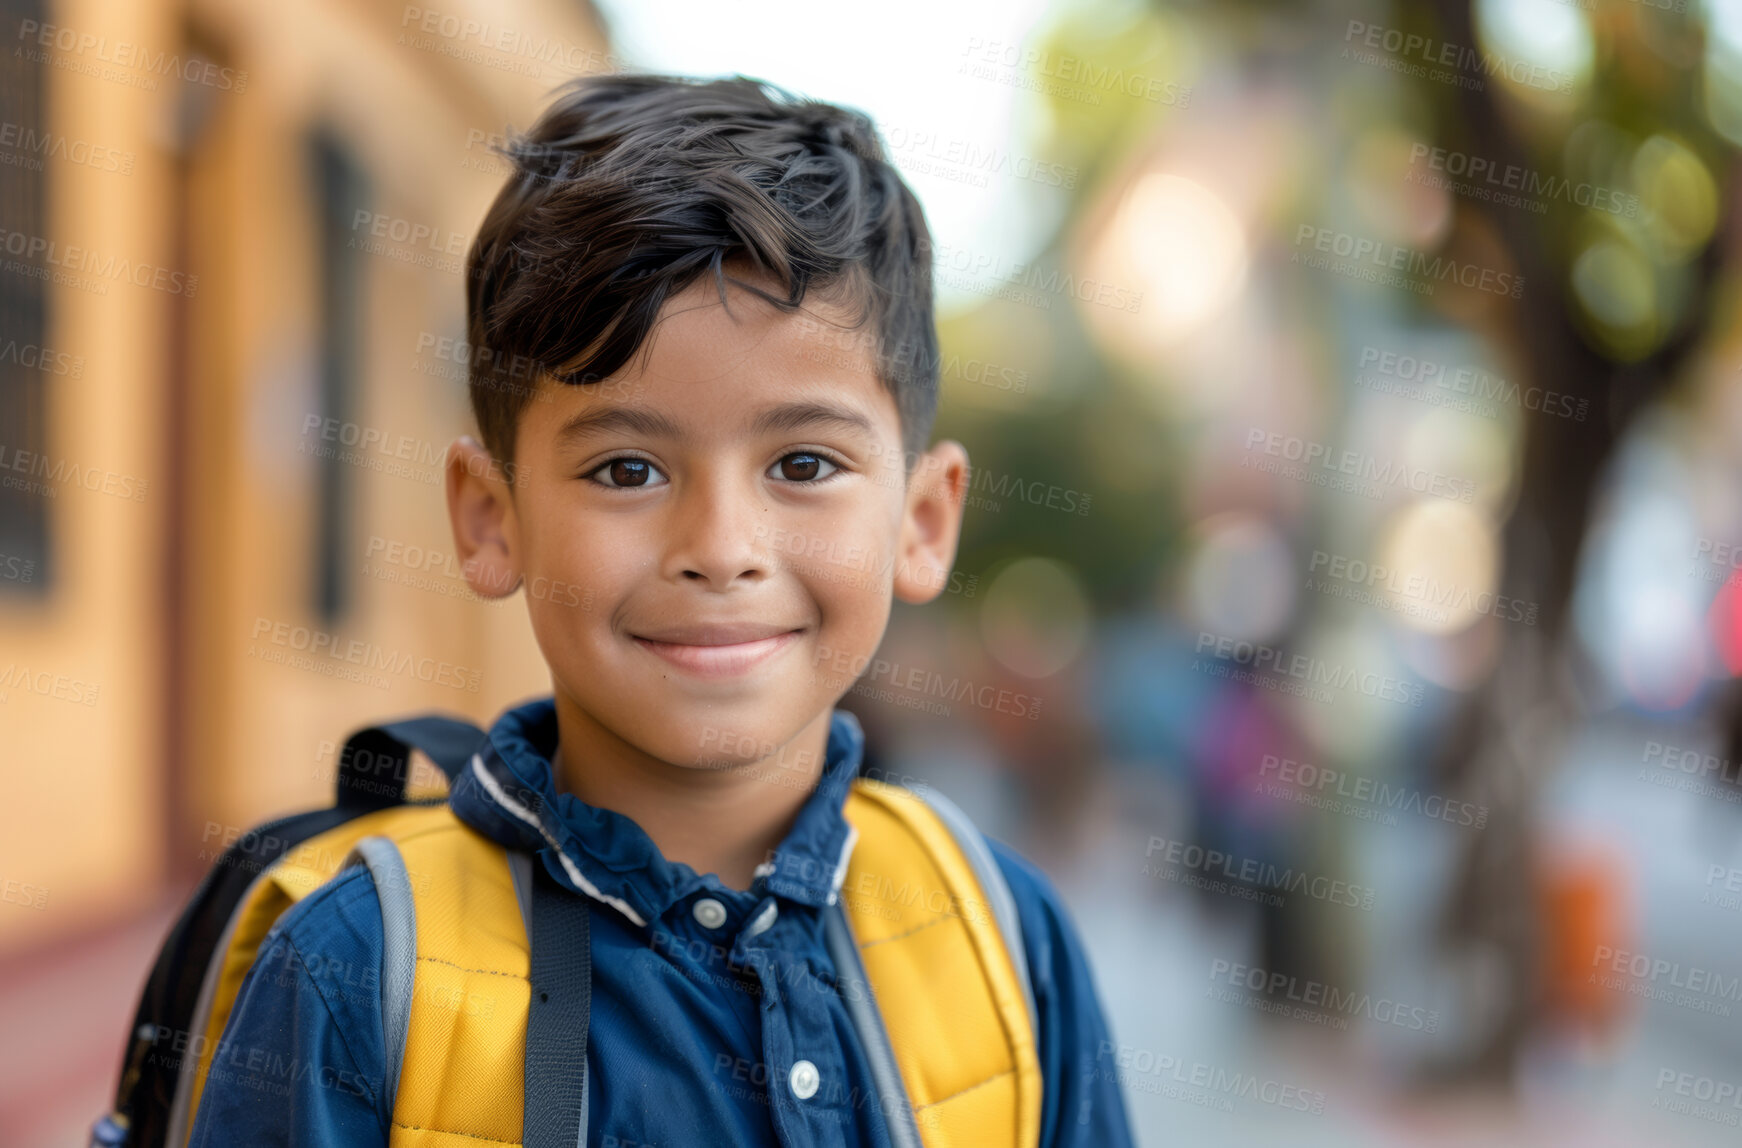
520,870
557,1016
398,950
992,882
868,1021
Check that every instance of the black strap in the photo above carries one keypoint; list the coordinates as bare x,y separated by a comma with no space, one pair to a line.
374,763
556,1022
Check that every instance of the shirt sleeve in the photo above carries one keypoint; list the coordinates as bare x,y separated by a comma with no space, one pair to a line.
301,1059
1081,1102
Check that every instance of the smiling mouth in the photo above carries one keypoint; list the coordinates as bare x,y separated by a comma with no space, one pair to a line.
718,652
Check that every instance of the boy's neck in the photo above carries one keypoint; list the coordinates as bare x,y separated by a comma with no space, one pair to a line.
721,821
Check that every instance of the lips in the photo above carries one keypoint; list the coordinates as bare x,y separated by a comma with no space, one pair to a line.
717,649
713,633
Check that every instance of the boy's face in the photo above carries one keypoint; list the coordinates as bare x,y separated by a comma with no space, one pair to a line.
711,538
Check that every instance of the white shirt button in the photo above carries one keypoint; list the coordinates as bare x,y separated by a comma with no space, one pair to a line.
804,1079
710,914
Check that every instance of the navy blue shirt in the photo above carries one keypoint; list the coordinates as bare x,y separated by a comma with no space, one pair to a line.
694,1028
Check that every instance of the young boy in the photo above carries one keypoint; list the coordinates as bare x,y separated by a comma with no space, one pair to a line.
711,499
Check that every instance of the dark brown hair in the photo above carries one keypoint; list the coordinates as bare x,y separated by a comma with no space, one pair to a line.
630,187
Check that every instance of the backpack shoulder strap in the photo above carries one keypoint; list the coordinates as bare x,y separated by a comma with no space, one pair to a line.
850,975
398,949
374,765
932,942
554,961
999,898
558,1014
561,987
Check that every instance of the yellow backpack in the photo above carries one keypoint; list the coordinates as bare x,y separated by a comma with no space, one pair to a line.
923,932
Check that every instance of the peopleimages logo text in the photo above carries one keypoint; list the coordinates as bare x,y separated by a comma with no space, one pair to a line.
1322,997
1441,60
323,644
1420,588
1526,181
1357,465
1305,775
1251,871
1383,256
39,249
1470,382
193,68
1317,671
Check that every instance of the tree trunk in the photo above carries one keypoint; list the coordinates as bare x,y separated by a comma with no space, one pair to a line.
1499,749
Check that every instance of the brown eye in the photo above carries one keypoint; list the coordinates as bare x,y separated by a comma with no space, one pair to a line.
629,473
804,467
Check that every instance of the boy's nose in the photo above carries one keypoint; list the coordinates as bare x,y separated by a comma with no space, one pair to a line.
714,539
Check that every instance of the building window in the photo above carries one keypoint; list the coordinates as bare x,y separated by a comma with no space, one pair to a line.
340,191
26,371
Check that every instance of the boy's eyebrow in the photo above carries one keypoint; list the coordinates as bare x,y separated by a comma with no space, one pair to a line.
793,416
652,424
636,420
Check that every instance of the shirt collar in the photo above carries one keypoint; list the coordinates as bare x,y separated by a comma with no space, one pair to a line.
508,793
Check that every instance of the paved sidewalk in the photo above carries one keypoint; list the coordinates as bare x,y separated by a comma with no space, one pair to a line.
66,1014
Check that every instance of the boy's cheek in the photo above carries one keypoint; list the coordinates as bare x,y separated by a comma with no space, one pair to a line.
844,647
558,593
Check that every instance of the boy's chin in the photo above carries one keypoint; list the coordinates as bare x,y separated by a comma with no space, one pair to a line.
717,743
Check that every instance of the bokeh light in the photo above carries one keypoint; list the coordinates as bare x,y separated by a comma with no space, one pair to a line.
1240,578
1615,285
1186,249
1035,620
1543,50
1679,198
1441,563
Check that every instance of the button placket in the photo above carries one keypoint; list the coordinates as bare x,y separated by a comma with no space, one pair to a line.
778,1053
800,1042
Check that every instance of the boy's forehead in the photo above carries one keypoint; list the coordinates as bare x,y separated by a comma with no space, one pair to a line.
698,334
730,363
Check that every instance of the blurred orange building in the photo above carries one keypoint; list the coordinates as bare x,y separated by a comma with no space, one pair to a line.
232,309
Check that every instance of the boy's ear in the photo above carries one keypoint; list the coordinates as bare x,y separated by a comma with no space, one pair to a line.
481,510
931,524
